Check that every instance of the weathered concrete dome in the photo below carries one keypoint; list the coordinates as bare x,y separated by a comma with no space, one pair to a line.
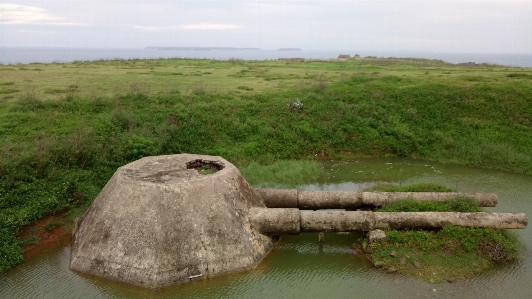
158,221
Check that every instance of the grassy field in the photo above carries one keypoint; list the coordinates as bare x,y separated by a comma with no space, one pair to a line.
113,78
65,128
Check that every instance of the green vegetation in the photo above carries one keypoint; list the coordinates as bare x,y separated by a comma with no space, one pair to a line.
448,254
286,172
50,225
205,170
419,187
66,127
460,204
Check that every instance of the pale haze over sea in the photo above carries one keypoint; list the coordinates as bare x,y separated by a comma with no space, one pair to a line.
60,55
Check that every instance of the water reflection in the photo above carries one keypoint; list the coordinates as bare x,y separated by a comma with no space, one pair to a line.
300,267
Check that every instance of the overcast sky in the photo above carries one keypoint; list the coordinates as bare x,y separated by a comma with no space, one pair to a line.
419,25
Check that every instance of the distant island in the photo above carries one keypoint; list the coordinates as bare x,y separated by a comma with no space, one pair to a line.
199,48
215,49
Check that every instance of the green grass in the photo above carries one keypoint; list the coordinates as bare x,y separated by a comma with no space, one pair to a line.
451,253
448,254
67,127
284,172
460,204
419,187
29,240
50,225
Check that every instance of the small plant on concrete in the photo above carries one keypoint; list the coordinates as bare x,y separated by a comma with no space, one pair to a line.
205,169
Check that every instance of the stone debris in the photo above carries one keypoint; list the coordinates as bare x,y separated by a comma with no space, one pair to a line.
391,270
376,236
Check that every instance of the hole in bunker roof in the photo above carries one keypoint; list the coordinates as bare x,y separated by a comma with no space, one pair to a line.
205,166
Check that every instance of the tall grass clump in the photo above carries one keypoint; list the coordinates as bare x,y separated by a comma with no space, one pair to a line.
281,173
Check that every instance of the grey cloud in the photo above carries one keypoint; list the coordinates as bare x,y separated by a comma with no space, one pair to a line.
452,26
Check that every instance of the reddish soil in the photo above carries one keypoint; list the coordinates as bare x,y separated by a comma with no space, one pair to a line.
47,238
357,249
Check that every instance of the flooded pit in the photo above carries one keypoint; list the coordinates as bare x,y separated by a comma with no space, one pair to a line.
300,267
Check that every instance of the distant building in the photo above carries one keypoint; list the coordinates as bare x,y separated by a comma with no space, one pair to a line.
471,63
344,56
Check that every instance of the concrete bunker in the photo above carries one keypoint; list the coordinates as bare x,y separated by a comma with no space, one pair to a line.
169,219
159,222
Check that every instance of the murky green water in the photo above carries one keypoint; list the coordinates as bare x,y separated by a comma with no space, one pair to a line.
301,268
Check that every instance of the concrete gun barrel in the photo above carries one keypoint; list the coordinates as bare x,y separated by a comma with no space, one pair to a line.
315,200
293,221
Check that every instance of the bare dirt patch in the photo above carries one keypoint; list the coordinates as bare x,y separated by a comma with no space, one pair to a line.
51,231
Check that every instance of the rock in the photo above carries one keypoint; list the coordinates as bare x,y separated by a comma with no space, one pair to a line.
417,265
378,264
393,253
391,270
376,236
403,261
158,221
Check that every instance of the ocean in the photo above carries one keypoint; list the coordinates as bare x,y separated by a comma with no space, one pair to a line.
61,55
